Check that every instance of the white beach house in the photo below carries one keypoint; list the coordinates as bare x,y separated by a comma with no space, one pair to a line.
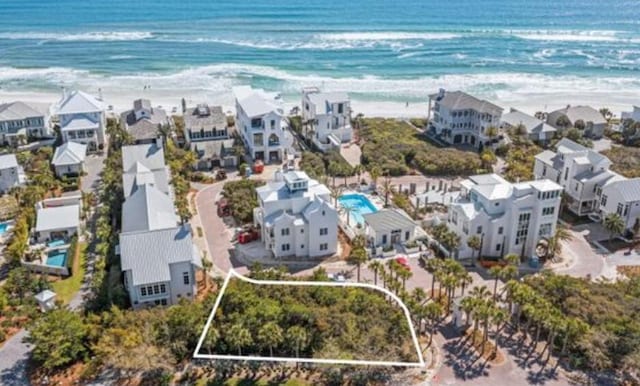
11,173
57,219
29,119
507,217
296,216
144,121
157,254
82,119
68,159
535,129
585,118
462,119
579,170
206,133
328,116
261,122
389,227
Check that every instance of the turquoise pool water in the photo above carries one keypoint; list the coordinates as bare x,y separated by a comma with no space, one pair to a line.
55,243
57,258
360,204
3,228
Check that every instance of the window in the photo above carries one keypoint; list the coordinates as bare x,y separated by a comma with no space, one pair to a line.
545,230
302,230
284,231
523,227
604,200
498,247
619,209
500,230
340,108
323,213
324,246
285,247
163,288
479,230
548,210
407,235
577,186
324,231
143,291
185,278
566,173
454,217
301,246
384,239
156,289
626,210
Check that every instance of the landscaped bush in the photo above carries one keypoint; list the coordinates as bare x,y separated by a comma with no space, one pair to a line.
242,198
625,160
395,147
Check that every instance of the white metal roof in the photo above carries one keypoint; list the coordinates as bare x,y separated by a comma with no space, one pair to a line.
58,217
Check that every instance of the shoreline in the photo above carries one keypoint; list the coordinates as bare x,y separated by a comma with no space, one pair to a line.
170,99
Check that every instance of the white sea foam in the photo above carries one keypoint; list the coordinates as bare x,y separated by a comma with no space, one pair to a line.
370,93
388,35
568,36
80,36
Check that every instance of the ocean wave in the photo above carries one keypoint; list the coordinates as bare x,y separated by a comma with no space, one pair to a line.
388,35
93,36
568,35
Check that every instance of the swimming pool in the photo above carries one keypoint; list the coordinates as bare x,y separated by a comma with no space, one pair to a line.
55,243
3,227
360,204
57,258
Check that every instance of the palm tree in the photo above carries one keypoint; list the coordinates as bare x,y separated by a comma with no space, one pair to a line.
614,224
563,122
491,132
433,266
238,337
357,257
465,280
375,173
507,272
499,317
480,296
375,266
335,192
554,247
475,243
297,336
432,312
348,210
606,113
579,124
387,189
404,274
334,170
270,335
207,265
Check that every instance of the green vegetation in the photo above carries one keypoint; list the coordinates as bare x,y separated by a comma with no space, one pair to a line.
520,157
332,164
242,198
309,322
181,162
395,147
625,160
67,287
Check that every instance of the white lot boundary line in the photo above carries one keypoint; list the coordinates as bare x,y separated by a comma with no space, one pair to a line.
233,273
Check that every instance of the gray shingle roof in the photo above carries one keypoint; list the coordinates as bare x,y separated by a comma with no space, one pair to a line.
458,100
585,113
388,220
212,117
148,209
149,254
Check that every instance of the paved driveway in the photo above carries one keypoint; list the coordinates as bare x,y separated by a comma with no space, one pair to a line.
94,165
13,361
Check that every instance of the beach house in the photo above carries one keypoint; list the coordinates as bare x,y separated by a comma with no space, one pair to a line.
261,122
82,119
389,227
57,219
206,133
579,170
507,217
22,120
144,121
458,118
157,254
327,116
533,128
621,197
584,118
144,164
296,217
634,114
11,173
68,159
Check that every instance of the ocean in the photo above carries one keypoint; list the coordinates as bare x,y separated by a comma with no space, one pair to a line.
388,55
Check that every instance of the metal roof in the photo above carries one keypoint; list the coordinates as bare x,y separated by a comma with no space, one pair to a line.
58,217
8,161
388,220
18,110
628,189
458,100
204,116
148,209
150,155
69,153
77,102
149,254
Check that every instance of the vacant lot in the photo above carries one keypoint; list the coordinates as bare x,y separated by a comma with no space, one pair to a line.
626,160
396,147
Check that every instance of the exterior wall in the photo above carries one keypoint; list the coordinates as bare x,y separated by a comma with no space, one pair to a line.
629,211
9,178
271,124
325,124
180,290
90,137
383,238
468,126
175,289
499,231
63,170
39,126
42,237
329,220
204,134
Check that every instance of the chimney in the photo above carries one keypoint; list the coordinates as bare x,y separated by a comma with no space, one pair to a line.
441,93
64,93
